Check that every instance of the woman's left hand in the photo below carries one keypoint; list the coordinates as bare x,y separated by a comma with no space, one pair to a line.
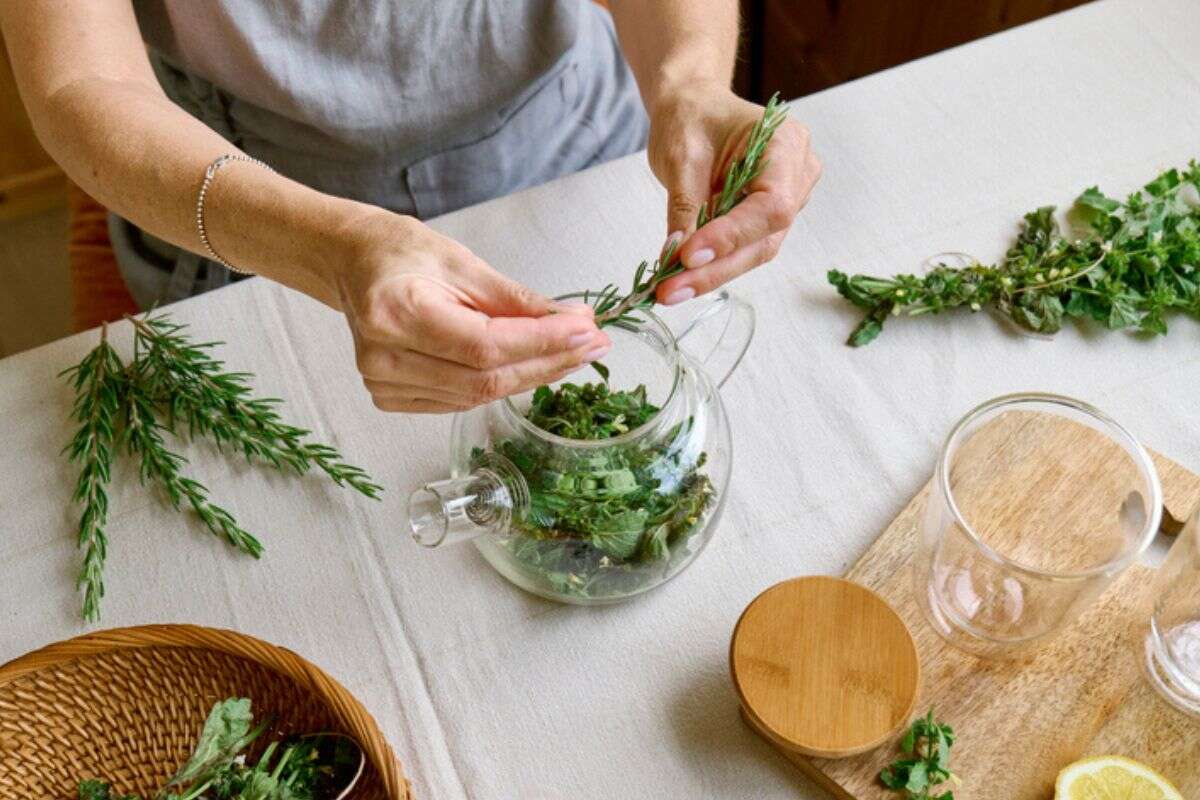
694,134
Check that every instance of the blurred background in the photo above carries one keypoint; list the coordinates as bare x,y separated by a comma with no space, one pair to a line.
795,47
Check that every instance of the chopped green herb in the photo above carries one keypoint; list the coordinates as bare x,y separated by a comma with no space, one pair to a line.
927,747
603,521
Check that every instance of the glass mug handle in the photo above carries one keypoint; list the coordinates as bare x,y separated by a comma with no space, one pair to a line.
735,319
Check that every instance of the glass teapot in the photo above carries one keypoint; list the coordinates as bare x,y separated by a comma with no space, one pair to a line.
599,520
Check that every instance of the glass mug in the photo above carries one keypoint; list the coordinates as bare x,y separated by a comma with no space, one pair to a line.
1172,637
1020,531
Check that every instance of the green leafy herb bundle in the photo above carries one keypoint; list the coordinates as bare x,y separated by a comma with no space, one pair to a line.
305,769
175,386
1137,262
611,305
603,521
927,763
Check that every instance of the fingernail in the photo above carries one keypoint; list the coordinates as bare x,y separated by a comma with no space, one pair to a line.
580,339
679,296
573,307
700,258
674,239
597,353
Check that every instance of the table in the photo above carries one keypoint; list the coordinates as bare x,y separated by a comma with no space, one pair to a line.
487,692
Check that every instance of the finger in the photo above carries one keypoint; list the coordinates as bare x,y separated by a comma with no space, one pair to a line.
449,381
689,183
812,175
489,290
573,307
476,340
692,283
383,390
416,406
424,315
761,214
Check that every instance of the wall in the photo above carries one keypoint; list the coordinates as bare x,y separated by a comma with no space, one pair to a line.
29,181
798,47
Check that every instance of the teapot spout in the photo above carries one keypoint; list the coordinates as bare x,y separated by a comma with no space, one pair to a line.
460,509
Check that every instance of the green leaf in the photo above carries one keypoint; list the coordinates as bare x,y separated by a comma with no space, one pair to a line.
1096,200
918,778
870,327
655,547
620,534
1164,183
94,790
601,370
226,732
1123,312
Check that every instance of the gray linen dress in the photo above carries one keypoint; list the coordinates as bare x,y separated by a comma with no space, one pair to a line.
418,106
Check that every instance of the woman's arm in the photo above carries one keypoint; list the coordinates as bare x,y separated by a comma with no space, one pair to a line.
676,44
434,327
682,53
100,113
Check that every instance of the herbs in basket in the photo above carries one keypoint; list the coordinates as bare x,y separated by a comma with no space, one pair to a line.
309,767
175,386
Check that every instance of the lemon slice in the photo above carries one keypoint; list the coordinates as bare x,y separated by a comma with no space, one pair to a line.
1112,778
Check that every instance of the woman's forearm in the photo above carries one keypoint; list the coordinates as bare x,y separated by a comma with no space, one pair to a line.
98,110
673,43
144,158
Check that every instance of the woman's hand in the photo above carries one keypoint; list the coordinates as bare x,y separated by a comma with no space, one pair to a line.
694,134
436,329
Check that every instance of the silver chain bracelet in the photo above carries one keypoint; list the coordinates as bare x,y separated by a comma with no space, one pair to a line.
209,175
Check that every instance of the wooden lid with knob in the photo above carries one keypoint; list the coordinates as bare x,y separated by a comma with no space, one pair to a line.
824,667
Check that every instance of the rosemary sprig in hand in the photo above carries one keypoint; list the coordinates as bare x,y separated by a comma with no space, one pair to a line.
1138,262
172,378
611,306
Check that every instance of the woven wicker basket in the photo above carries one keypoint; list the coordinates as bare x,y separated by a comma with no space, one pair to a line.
126,705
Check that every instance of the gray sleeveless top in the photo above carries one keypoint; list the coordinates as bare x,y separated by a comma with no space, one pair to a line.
419,106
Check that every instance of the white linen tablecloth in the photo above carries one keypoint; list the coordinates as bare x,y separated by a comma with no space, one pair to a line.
487,692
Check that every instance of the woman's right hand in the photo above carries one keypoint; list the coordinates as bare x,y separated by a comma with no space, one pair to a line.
436,329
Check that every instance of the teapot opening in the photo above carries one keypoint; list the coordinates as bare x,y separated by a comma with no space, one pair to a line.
644,354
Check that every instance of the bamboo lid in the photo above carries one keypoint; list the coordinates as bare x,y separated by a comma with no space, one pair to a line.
824,667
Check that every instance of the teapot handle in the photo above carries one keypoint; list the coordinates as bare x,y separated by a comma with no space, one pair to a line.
736,317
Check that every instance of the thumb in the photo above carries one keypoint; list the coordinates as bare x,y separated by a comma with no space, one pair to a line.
688,188
500,296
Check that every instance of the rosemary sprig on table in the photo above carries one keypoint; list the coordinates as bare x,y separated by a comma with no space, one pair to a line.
143,438
611,306
170,377
1138,261
99,384
219,404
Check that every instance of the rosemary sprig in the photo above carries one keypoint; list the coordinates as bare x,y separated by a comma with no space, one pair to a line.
611,306
142,436
219,404
99,384
170,377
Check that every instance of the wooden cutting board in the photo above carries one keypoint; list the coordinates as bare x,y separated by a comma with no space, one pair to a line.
1019,723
